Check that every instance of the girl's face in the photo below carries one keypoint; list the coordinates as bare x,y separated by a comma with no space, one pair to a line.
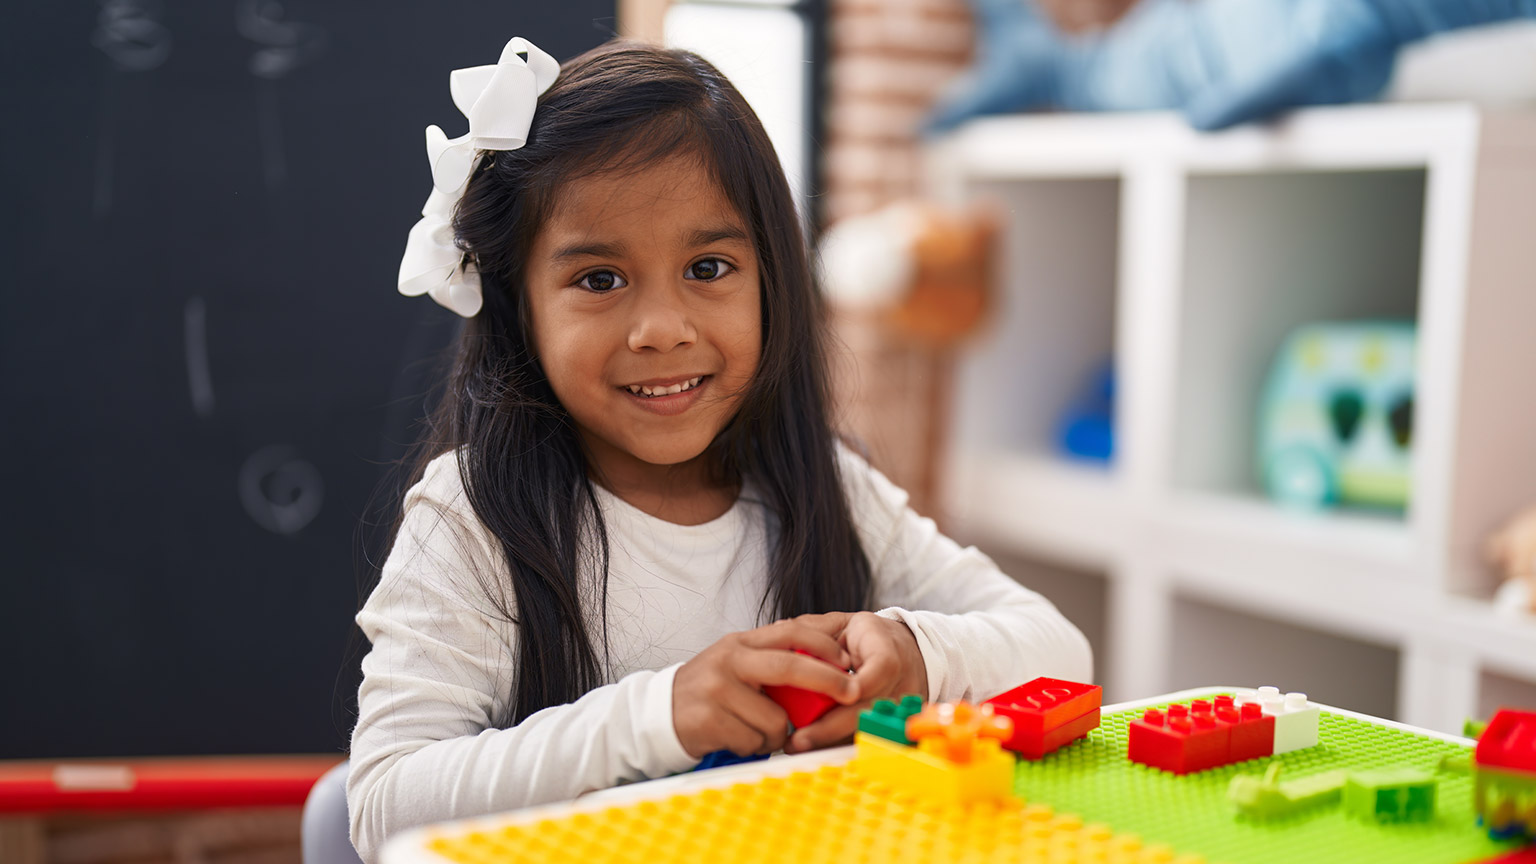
646,281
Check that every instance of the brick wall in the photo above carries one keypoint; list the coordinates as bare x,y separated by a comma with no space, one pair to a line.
890,60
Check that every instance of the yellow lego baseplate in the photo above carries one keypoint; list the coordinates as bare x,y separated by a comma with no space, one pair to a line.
835,813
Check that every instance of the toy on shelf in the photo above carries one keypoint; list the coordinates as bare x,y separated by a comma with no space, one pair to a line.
1087,427
958,758
1504,772
888,719
1512,549
1207,734
1336,424
1390,795
802,706
1048,713
1268,797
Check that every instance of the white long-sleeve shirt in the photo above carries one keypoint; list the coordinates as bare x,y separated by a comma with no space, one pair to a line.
426,748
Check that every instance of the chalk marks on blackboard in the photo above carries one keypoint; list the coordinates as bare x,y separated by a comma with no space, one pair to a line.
130,32
283,47
199,375
279,491
133,37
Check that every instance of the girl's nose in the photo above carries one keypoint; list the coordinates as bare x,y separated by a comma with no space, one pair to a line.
661,321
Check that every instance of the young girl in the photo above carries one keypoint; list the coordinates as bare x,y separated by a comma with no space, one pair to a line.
632,503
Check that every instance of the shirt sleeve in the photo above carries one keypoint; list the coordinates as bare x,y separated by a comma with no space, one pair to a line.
980,632
426,747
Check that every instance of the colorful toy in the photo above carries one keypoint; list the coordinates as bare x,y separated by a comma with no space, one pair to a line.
888,720
1048,713
828,810
803,706
1504,774
1336,424
1295,718
722,758
1210,733
1087,427
956,730
1267,797
1390,795
987,775
806,818
1512,549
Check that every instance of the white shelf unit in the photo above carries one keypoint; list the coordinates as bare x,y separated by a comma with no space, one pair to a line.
1187,258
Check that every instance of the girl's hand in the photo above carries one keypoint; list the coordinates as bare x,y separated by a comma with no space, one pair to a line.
717,697
887,664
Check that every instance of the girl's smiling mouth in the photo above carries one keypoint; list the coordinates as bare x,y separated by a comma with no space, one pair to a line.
667,396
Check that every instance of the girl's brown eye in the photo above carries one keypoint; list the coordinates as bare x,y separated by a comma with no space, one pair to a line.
707,269
602,281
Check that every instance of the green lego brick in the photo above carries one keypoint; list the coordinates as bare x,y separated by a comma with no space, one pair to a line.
1269,798
1192,813
888,720
1390,795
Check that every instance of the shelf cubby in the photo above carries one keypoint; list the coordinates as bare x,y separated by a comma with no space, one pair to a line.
1190,257
1265,254
1052,320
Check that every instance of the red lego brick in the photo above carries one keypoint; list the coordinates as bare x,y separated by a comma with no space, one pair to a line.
1044,704
1252,731
1509,742
1036,746
804,707
1179,741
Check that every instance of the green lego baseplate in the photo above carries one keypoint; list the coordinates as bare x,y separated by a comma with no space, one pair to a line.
1093,779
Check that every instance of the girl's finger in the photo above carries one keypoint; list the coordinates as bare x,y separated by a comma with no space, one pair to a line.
786,668
791,634
835,727
761,714
740,737
879,671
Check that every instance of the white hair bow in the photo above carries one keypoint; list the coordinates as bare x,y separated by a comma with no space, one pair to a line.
499,102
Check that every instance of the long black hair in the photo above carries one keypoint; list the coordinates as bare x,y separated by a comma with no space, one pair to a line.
620,107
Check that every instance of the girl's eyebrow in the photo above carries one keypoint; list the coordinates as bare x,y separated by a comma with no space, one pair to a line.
696,237
589,250
706,236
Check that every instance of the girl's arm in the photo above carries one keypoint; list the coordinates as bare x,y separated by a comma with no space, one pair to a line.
980,632
440,672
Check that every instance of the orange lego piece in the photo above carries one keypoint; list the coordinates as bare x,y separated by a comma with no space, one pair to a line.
957,727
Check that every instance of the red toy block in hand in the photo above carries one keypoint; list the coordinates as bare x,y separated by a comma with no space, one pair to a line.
804,707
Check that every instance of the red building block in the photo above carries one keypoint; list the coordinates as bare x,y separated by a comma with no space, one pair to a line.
1179,741
1509,742
1252,731
804,707
1045,704
1033,747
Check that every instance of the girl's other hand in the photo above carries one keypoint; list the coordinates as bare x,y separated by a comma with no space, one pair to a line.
887,664
717,697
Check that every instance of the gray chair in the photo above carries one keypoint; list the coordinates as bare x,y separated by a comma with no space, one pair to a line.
326,835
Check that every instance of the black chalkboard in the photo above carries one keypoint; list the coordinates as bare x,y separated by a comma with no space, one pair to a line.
207,370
